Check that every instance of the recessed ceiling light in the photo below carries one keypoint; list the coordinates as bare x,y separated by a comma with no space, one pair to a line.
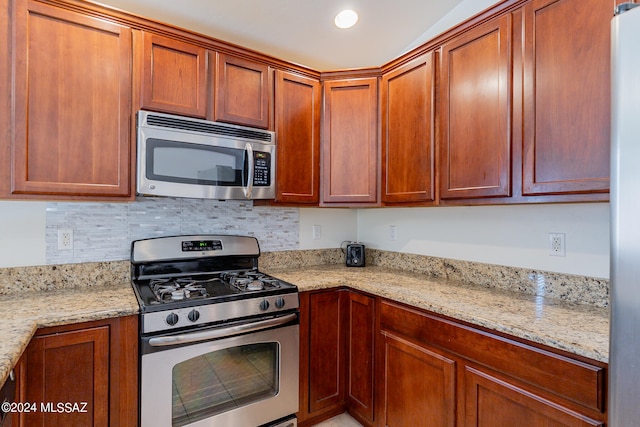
346,19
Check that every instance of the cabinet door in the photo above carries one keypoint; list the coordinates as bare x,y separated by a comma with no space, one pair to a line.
566,96
72,103
174,78
419,385
360,341
71,367
407,95
494,402
241,91
349,141
475,121
327,351
297,114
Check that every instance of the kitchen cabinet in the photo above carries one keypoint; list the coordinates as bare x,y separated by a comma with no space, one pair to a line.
496,402
475,147
418,385
350,142
566,84
407,96
337,330
297,126
71,128
174,76
93,365
242,91
360,370
462,375
322,355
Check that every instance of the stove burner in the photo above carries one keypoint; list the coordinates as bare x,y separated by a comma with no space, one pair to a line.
166,290
250,281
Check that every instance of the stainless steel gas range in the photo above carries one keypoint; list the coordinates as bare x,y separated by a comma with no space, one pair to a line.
219,340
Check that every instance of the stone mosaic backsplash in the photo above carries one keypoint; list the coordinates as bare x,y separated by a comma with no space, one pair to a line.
104,231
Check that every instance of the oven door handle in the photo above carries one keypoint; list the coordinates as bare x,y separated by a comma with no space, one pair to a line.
220,333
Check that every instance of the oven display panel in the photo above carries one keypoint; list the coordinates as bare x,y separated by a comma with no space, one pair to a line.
201,245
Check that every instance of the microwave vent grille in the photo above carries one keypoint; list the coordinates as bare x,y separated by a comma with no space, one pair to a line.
212,128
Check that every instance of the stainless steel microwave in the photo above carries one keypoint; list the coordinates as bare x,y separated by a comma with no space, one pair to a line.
185,157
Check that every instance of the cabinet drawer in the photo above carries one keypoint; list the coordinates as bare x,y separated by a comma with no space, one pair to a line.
573,380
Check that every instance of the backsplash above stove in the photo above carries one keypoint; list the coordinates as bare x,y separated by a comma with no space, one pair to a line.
104,231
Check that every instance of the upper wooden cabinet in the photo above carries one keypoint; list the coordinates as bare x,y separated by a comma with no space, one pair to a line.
566,96
72,103
297,119
174,76
475,146
242,91
408,117
350,141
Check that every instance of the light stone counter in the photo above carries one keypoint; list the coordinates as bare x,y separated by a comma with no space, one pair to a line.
578,329
24,312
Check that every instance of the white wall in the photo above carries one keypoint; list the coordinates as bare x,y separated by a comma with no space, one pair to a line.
22,234
515,236
464,10
336,226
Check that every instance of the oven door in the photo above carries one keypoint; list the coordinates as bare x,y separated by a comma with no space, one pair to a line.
236,378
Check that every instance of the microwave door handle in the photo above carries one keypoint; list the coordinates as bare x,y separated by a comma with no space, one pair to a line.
248,189
220,333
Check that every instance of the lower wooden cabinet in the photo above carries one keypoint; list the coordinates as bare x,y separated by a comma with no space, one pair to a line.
389,365
360,373
417,387
491,401
322,358
434,371
81,375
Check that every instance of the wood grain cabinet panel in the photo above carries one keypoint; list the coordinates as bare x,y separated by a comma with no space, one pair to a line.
174,76
327,347
350,141
360,336
242,93
475,112
419,387
566,96
491,401
94,363
408,132
297,116
72,123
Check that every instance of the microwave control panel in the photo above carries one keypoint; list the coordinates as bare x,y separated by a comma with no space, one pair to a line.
261,169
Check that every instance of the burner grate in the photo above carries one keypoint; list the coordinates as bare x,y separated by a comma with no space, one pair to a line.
166,290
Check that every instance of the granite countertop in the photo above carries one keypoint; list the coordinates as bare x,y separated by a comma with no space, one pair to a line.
578,329
27,311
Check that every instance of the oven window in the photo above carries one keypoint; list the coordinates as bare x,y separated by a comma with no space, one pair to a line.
223,380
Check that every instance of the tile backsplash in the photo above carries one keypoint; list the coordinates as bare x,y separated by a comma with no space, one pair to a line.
104,231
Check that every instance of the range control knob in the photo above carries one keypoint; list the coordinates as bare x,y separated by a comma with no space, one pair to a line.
172,319
264,305
193,315
280,302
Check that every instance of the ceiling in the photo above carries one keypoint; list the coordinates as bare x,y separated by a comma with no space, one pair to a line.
302,31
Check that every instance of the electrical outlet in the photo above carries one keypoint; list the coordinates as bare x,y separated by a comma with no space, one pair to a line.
317,230
393,233
65,239
557,244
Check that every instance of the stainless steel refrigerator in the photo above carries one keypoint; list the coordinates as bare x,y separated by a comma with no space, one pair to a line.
624,352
